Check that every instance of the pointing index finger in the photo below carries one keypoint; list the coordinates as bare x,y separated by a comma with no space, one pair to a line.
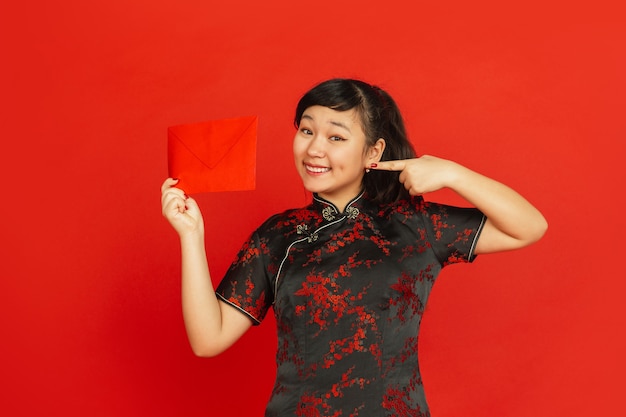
397,165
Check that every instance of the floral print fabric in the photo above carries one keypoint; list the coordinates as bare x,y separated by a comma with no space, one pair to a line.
348,292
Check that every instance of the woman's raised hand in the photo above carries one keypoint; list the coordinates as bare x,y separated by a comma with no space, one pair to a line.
180,210
422,175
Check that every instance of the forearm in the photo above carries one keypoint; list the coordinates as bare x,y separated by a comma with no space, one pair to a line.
512,222
212,326
201,308
510,214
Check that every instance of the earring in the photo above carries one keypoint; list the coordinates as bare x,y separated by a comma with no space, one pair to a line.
367,170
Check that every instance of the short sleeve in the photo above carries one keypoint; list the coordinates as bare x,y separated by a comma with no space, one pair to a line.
246,285
453,231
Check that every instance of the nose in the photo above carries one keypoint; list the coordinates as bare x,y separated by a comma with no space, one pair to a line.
316,147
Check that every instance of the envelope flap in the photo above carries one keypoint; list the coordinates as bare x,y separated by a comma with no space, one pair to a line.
211,141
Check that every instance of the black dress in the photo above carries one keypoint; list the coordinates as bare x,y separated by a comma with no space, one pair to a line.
348,291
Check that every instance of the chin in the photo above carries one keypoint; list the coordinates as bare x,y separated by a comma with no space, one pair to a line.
315,190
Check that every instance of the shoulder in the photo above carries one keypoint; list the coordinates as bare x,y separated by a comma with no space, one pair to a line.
415,210
286,221
402,209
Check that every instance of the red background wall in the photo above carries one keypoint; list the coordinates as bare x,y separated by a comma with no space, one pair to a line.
530,93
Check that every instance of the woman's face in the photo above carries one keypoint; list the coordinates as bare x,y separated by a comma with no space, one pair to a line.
330,153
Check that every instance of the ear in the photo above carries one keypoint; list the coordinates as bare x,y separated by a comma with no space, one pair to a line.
375,152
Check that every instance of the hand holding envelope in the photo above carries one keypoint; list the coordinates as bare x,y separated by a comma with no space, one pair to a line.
218,155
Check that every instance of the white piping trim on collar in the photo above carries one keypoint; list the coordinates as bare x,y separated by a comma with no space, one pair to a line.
354,200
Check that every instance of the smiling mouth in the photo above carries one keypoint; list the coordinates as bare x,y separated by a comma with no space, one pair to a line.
316,170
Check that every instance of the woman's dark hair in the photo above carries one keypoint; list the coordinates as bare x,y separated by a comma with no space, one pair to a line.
380,117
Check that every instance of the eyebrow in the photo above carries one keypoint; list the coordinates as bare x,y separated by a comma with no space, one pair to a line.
332,122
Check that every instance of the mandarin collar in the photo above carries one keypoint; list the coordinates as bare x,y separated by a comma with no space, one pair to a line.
330,211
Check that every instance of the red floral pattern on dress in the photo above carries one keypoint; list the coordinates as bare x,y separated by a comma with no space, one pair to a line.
348,293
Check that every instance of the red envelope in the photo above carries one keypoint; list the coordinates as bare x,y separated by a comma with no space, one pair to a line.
218,155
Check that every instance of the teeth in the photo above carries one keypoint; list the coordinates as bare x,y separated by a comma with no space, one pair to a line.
317,170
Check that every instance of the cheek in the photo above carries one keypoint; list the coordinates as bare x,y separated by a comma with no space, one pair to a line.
296,146
357,157
346,161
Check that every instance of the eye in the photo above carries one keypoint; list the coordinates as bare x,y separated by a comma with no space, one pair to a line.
306,131
336,138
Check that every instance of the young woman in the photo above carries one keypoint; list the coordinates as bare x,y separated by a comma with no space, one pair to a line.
349,275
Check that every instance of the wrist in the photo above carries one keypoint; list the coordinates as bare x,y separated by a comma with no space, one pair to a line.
454,175
194,237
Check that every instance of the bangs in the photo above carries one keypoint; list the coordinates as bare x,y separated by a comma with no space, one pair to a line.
337,94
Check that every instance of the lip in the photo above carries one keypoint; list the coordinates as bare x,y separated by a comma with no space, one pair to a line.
316,169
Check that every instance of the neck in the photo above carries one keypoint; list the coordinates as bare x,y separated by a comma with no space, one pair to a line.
340,203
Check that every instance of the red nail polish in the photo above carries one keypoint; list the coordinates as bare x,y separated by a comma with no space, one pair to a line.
374,165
